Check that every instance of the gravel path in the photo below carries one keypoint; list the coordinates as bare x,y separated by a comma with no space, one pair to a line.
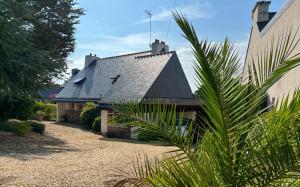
67,156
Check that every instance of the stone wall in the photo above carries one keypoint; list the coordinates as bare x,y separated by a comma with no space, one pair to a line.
118,132
73,116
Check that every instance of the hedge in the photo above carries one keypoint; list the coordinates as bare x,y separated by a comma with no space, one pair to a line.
37,127
88,114
45,111
19,127
96,127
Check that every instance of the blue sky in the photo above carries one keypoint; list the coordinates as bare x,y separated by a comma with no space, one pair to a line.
112,27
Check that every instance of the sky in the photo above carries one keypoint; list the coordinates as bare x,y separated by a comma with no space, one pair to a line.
114,27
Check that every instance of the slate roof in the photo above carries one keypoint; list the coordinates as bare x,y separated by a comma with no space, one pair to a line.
128,77
50,94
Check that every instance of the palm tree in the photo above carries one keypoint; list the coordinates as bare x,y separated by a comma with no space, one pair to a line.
243,145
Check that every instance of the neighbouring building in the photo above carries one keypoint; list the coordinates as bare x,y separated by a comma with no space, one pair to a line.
146,77
50,94
268,26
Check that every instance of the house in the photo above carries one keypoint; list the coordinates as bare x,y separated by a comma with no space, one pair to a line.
268,26
147,76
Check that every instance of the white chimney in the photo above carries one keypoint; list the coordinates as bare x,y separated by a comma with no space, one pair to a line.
159,47
260,12
89,59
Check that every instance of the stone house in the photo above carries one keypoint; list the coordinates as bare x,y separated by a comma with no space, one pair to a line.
146,76
268,26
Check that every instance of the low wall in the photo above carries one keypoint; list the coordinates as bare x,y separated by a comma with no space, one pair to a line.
118,132
73,116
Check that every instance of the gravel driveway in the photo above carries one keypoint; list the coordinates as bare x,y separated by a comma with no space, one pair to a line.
67,156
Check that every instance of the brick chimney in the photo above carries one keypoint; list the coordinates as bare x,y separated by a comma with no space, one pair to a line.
89,59
260,12
159,47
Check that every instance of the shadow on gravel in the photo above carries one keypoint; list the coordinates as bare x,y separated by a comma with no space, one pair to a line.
71,125
155,143
32,146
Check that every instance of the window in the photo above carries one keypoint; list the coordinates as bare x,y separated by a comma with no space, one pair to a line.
72,106
80,106
78,80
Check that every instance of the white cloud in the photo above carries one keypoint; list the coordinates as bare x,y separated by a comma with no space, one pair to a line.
120,44
194,10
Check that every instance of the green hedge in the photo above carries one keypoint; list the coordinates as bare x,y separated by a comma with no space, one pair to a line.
45,111
37,127
19,127
88,114
22,127
96,127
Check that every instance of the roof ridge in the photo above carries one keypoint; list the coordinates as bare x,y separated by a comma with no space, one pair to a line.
128,54
152,55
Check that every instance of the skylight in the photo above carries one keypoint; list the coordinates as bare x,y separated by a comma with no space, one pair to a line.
115,79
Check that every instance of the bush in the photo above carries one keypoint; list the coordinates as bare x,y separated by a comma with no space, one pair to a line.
148,136
37,127
96,127
45,111
16,107
19,127
88,114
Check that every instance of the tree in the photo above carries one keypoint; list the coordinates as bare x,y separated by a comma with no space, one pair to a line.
36,37
243,146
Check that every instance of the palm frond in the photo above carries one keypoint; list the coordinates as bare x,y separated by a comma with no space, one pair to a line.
242,145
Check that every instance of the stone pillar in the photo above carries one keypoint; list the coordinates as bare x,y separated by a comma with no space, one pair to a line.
104,118
133,134
60,111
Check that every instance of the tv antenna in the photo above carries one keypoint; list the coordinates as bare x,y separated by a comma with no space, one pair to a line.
150,15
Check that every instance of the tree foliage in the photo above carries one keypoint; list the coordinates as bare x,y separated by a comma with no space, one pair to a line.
36,37
243,145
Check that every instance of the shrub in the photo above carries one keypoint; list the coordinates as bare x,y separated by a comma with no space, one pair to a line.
40,115
17,107
148,136
45,111
96,127
19,127
37,127
88,114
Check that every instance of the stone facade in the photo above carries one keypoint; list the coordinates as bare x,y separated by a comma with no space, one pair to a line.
69,112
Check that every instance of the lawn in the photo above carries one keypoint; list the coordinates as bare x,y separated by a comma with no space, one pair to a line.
67,155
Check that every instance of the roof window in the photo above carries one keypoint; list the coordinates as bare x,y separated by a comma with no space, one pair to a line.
115,79
78,80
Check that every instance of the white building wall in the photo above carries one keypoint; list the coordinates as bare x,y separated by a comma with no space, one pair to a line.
290,18
61,111
104,121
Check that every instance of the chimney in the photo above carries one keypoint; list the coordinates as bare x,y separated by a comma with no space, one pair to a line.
260,12
89,59
159,47
74,72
